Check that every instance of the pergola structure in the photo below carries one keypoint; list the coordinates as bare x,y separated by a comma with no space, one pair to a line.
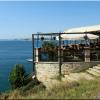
50,47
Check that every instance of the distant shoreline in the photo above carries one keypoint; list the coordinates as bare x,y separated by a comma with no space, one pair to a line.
15,40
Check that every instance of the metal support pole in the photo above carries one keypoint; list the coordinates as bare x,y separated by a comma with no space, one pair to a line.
37,40
34,70
59,54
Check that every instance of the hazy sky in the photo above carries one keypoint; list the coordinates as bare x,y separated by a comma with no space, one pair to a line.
21,19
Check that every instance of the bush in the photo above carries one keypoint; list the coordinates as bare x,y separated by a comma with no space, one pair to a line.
48,44
17,75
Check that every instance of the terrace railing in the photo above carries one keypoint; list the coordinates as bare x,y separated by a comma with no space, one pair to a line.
48,49
95,54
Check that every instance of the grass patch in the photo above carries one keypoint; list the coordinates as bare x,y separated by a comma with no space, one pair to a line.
82,90
74,90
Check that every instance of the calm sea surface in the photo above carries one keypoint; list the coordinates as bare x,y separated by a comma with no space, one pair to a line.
11,53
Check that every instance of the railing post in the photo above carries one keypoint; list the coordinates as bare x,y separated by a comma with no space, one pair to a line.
87,54
37,55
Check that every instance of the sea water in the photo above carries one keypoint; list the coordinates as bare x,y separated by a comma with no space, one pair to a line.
11,53
15,52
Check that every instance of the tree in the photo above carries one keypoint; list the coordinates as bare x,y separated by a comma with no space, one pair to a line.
17,75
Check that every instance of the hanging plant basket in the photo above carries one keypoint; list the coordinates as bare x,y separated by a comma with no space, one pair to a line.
42,38
54,38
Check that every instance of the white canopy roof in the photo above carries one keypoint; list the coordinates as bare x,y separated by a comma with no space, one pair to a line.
77,36
83,29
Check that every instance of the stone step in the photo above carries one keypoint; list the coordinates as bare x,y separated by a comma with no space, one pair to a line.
78,76
97,67
86,76
96,70
92,72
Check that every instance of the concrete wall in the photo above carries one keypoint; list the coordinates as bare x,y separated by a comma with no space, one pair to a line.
46,70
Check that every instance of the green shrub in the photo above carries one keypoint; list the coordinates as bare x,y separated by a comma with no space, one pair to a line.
49,44
17,75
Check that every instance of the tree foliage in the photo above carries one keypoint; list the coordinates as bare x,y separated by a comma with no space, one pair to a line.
48,44
17,75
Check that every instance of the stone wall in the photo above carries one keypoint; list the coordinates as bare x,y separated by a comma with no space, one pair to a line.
76,66
48,70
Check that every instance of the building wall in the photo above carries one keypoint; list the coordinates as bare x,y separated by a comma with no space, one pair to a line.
49,70
45,71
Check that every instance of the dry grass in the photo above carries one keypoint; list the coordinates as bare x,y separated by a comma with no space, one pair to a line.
76,90
82,90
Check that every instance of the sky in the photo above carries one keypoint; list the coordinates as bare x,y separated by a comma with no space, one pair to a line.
20,19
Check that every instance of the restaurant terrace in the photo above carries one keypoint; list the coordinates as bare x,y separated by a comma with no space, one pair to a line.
73,46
